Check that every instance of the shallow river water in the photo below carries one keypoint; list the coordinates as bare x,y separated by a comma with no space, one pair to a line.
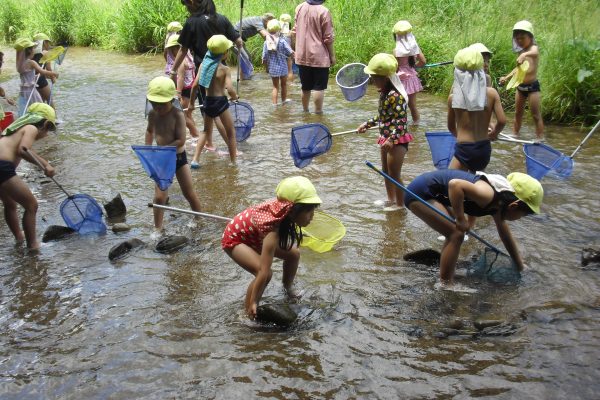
74,325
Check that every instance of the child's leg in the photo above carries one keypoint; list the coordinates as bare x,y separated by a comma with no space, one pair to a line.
15,190
412,105
519,109
290,75
248,259
283,88
274,94
184,178
45,92
454,237
160,197
227,121
291,259
395,158
189,119
389,187
208,124
535,107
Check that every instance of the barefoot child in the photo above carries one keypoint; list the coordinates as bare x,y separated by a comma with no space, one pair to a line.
392,121
276,52
271,229
172,29
505,199
216,78
285,20
524,44
470,108
42,46
409,56
16,143
166,126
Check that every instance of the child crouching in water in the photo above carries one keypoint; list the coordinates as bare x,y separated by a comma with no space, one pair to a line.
392,121
271,229
276,52
166,126
16,143
216,78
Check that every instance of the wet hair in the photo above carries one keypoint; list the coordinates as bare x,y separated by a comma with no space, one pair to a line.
505,198
411,61
289,232
388,86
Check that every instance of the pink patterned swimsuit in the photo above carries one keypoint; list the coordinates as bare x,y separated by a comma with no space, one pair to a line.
408,75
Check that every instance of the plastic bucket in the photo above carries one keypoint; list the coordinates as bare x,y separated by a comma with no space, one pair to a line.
353,81
441,145
8,119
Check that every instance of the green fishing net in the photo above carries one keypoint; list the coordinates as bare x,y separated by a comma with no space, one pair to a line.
494,267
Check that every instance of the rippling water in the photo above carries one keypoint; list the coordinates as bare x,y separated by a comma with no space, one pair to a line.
74,325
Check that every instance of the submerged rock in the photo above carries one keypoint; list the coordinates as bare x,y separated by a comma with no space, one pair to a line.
123,248
481,324
57,232
428,257
115,209
504,329
590,256
171,244
120,227
279,314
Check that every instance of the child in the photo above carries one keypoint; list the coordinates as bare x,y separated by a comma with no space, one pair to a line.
2,92
166,125
172,29
470,107
42,46
505,199
216,78
392,120
16,143
487,57
285,20
276,52
409,56
27,69
184,80
524,44
271,229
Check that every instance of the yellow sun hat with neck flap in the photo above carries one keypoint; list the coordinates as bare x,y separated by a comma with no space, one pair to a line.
297,189
468,59
161,90
527,189
382,64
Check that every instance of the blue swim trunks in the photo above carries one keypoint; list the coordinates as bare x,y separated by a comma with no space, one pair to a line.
434,185
475,156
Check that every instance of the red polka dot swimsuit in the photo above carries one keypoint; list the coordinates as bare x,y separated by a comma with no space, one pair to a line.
254,223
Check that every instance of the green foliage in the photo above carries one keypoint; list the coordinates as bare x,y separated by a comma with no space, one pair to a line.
53,17
12,19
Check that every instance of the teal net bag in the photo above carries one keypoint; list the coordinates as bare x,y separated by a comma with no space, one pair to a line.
494,267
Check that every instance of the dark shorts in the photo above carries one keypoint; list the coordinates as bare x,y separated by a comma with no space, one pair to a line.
475,156
181,160
434,185
526,88
42,82
186,93
7,171
215,105
313,78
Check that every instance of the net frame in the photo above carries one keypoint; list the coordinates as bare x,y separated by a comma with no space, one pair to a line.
303,149
323,232
170,153
82,213
541,159
352,91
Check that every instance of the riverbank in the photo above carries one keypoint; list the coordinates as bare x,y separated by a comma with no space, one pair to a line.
570,89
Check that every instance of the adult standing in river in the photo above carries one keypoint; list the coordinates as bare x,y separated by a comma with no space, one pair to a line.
252,26
314,50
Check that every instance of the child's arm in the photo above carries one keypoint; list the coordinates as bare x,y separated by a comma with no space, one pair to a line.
26,151
500,117
503,79
420,60
533,52
233,96
149,138
508,241
264,55
451,118
270,243
179,131
458,189
194,91
180,79
40,70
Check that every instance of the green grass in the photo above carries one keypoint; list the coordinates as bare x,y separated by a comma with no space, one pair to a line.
567,33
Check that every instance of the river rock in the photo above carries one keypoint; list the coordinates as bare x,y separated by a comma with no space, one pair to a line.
504,329
171,244
456,323
120,227
56,232
123,248
481,324
279,314
115,209
590,256
427,257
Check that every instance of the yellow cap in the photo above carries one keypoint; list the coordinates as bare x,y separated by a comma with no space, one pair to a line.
523,26
23,43
161,90
402,27
173,41
174,26
297,189
273,26
382,64
285,18
41,36
44,111
468,59
219,44
480,47
527,189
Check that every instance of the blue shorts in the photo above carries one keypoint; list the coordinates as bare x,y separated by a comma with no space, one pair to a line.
7,171
434,185
475,156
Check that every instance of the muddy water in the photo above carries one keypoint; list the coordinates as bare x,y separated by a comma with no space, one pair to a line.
74,325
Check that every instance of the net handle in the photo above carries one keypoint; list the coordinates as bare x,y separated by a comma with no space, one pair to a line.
435,64
183,211
350,131
39,164
239,58
585,139
505,138
445,216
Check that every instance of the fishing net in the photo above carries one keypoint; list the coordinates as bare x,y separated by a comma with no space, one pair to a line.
309,141
541,159
353,81
441,145
148,108
246,65
83,214
323,232
494,267
54,54
243,119
159,162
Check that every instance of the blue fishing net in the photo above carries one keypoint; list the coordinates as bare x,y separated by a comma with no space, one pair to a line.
158,162
495,267
540,159
83,214
353,81
441,145
243,119
246,65
309,141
